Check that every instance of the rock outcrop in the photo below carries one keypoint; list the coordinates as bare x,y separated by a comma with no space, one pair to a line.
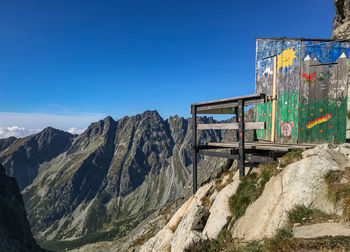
321,230
341,21
300,183
194,222
15,234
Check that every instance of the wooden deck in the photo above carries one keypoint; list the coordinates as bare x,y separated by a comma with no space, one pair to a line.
245,152
260,145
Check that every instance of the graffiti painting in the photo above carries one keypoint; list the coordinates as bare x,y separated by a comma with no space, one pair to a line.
319,120
286,128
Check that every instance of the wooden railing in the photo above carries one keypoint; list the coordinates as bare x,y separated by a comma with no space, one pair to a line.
226,106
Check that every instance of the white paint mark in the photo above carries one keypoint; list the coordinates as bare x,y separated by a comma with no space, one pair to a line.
307,58
342,56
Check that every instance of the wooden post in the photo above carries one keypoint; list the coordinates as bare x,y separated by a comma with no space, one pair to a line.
273,107
237,134
241,138
194,147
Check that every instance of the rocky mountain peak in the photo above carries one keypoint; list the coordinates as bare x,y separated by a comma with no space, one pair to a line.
22,156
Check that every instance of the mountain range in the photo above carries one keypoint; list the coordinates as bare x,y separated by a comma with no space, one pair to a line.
103,183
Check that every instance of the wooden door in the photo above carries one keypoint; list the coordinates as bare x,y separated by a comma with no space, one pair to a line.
322,112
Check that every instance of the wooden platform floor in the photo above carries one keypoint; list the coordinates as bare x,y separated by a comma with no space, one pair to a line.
260,145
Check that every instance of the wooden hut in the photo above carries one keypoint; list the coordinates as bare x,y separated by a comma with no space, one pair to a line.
301,99
306,85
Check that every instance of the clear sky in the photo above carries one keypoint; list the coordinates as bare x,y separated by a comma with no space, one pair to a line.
64,60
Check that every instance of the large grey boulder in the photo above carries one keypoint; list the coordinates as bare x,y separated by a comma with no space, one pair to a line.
184,227
301,183
220,210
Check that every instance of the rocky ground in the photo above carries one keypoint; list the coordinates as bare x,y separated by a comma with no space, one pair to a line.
300,185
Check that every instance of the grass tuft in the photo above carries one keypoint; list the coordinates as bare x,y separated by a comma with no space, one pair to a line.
282,240
305,215
291,157
338,188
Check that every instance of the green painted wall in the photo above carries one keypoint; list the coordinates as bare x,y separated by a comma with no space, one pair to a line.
323,120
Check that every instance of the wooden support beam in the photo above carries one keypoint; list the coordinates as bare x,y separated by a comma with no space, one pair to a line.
248,157
218,154
241,160
213,126
194,147
273,105
220,108
258,159
224,106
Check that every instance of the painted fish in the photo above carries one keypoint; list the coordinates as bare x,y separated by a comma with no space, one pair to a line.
319,120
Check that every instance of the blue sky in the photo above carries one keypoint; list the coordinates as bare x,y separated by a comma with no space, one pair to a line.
63,59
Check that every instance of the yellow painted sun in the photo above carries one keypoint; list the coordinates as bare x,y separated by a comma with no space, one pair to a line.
285,59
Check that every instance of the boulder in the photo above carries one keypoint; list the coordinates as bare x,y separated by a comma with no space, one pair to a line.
321,230
301,183
185,227
220,210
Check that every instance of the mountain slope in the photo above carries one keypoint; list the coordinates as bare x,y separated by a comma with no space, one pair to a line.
15,234
113,176
22,157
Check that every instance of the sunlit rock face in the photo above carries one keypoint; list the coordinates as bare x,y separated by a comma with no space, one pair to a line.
341,22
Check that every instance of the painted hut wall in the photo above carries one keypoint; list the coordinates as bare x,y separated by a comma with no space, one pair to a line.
323,92
312,90
288,79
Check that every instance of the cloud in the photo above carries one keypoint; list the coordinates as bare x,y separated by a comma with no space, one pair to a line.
16,131
24,124
75,130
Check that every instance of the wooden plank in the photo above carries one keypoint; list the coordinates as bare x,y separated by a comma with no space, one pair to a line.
273,112
304,98
194,148
342,97
224,108
261,146
258,143
248,157
248,125
241,125
258,159
236,99
219,111
218,154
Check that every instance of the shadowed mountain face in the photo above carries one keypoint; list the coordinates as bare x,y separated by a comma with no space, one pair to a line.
6,142
15,234
22,157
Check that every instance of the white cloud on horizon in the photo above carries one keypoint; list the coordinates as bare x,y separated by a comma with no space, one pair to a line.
16,132
24,124
75,130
